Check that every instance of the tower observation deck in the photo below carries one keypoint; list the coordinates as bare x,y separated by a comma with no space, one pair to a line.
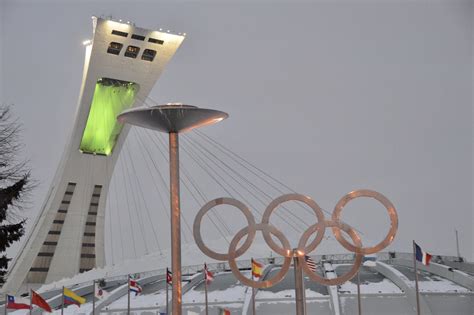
122,64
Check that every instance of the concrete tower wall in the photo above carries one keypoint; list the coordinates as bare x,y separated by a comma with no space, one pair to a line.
68,236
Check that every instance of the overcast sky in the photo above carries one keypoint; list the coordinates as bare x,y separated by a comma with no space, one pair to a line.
327,96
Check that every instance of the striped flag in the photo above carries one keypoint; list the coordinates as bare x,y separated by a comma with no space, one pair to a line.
257,268
208,276
134,287
422,256
310,263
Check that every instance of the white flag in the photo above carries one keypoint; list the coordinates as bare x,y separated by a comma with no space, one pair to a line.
99,292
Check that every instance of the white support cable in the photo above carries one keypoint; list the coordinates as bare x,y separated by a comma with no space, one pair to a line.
164,207
186,224
184,180
128,208
252,193
136,207
233,154
255,187
140,190
118,217
187,176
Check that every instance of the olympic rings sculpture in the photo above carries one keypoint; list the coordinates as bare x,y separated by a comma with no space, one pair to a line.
303,248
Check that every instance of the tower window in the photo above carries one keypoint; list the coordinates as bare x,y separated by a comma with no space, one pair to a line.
114,48
149,54
155,41
132,51
138,37
119,33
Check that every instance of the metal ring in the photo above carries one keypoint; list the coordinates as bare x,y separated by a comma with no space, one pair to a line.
208,206
286,263
292,197
391,212
321,226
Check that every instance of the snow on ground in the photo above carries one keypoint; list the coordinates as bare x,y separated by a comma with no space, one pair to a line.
439,284
232,294
267,294
146,300
384,286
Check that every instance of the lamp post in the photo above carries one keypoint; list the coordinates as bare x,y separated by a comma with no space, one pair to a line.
173,118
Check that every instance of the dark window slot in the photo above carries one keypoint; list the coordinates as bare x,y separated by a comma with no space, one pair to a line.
37,269
155,41
87,255
138,37
94,204
50,243
65,202
88,245
92,213
58,221
90,223
119,33
89,234
62,211
45,254
54,232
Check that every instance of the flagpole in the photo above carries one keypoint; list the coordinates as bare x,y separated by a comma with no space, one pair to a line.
205,287
167,310
128,295
416,280
31,297
358,293
253,298
93,297
62,303
6,303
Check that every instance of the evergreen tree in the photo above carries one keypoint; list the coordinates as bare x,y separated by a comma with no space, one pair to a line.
14,185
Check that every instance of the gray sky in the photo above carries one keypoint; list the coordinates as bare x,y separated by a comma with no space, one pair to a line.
326,96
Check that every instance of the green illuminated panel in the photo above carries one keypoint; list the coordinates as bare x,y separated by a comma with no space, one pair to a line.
111,97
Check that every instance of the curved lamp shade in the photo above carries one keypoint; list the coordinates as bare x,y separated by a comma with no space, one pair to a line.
171,118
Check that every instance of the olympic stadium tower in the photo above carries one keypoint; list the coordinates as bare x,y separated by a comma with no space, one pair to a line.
122,64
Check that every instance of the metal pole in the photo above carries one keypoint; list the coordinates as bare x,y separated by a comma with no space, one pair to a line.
6,303
128,294
31,298
205,290
358,293
457,244
299,291
416,280
175,223
93,298
62,303
167,309
253,298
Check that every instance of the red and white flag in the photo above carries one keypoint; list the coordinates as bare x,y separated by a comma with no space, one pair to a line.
422,256
169,276
99,292
208,276
17,304
134,287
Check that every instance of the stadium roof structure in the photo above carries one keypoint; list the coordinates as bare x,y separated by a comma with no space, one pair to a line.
387,287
